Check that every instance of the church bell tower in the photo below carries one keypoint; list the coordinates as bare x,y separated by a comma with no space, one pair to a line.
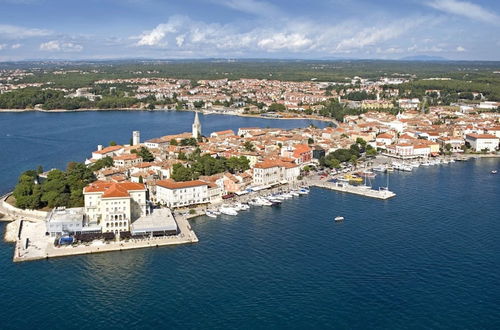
196,126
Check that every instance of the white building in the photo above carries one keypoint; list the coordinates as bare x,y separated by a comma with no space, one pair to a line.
481,142
270,172
114,205
127,160
178,194
196,126
110,151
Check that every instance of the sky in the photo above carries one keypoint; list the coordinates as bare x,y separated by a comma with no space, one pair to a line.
295,29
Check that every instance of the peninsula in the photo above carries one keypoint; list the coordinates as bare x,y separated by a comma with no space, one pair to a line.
141,194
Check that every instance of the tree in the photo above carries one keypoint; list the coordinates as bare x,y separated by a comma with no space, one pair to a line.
189,142
448,147
39,169
310,141
151,106
276,107
249,146
141,180
173,142
55,191
102,163
145,154
112,143
182,173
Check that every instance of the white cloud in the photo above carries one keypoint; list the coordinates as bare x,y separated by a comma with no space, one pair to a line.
156,37
183,36
3,46
374,35
16,46
19,32
465,9
291,41
461,49
259,8
59,46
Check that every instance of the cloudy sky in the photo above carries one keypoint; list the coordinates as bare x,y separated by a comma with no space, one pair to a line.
319,29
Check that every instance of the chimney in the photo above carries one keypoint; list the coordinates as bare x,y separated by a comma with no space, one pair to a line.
99,147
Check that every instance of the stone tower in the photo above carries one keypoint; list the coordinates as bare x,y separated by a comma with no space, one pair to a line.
136,138
196,126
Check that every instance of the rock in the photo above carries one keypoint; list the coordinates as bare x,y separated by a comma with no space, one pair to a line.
11,231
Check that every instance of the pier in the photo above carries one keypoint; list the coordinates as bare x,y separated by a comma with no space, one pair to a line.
42,247
357,190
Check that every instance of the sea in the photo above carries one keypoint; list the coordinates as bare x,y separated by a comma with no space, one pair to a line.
427,259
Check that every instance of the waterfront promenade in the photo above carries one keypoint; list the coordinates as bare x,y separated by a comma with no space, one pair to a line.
42,247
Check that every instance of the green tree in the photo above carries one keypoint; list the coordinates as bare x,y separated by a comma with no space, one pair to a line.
112,143
277,107
145,154
249,146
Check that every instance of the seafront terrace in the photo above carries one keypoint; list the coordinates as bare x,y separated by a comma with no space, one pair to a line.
41,246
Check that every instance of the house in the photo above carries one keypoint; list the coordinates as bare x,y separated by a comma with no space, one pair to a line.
454,143
269,172
480,142
110,151
114,206
222,133
63,220
177,194
302,153
384,139
127,160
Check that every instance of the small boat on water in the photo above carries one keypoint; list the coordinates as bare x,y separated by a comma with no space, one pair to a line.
494,172
366,174
339,219
255,202
210,214
264,201
294,193
353,178
303,191
227,210
389,169
380,168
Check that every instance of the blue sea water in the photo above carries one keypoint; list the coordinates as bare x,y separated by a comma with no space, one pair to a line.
428,258
52,140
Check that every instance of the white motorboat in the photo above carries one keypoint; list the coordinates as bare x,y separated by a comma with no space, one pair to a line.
380,168
264,201
253,202
210,214
303,191
287,195
228,210
294,193
339,219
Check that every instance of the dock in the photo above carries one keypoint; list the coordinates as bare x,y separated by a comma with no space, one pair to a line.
357,190
42,247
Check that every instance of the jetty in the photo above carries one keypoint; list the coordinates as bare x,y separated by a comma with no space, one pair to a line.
33,244
351,189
